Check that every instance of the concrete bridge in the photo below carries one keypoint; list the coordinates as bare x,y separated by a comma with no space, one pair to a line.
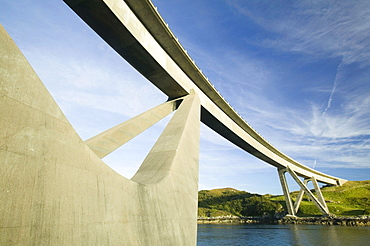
56,190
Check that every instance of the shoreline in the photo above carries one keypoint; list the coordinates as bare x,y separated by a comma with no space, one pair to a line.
325,220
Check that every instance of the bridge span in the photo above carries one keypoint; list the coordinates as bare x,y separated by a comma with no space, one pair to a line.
56,190
139,34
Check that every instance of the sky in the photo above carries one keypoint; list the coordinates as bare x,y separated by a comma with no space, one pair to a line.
297,71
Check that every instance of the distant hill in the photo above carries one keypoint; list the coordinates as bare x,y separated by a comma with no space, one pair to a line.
350,199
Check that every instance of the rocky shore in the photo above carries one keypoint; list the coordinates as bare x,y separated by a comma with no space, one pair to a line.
236,220
325,220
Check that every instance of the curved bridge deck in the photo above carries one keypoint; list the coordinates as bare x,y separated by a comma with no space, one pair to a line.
139,34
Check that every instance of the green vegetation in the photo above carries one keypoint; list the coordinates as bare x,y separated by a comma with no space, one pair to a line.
350,199
228,201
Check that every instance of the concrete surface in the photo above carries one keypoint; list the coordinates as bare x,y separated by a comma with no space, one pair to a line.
54,190
106,142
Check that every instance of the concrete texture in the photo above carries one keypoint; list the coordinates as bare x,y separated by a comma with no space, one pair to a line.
54,190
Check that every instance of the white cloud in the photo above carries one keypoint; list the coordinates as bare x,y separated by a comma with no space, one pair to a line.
336,138
336,29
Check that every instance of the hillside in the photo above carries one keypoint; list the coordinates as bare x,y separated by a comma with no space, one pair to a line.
353,198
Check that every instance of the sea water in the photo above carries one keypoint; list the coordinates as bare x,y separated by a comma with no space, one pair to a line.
245,234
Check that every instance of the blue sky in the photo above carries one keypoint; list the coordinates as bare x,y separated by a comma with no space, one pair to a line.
297,71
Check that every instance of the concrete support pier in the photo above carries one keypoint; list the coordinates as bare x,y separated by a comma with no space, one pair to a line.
54,190
319,201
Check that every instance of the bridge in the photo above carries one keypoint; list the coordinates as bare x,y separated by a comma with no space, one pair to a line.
56,190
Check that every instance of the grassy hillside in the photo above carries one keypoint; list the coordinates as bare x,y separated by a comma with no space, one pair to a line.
353,198
228,201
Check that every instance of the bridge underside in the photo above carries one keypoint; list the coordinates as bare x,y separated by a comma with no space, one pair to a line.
136,31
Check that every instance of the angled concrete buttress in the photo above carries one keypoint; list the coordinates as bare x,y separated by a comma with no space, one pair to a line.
54,190
106,142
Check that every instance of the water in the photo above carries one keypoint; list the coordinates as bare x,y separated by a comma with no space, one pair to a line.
241,234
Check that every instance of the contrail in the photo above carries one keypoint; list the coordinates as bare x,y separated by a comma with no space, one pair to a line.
338,75
336,82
